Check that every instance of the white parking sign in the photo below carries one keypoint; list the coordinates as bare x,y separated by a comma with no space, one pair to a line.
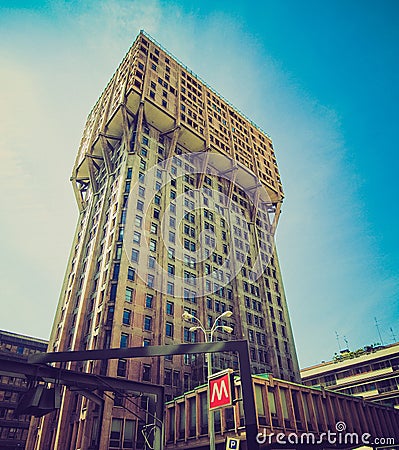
232,444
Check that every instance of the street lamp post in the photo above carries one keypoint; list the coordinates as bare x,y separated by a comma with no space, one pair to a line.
208,334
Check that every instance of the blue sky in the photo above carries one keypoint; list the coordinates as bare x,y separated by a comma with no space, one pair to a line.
319,77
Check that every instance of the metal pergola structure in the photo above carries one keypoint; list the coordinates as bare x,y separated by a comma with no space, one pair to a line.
35,367
81,382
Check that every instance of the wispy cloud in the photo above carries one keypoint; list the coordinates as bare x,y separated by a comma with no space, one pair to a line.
55,69
51,75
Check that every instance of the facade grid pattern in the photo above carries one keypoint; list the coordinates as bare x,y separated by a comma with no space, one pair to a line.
179,196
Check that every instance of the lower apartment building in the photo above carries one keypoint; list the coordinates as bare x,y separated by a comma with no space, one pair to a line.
14,428
371,373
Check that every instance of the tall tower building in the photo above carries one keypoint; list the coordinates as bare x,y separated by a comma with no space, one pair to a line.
179,195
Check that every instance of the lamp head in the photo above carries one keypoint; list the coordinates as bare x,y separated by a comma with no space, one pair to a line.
227,329
187,316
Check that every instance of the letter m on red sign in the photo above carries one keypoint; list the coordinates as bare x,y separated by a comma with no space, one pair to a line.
220,390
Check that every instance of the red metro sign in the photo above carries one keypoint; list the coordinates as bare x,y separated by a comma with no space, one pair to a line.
221,389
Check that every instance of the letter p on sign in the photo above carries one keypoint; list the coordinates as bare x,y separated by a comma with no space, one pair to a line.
221,390
232,444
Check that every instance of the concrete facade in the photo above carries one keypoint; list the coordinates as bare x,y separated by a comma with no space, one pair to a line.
179,196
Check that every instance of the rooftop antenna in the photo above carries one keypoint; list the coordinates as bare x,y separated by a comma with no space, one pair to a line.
378,329
393,334
346,342
339,344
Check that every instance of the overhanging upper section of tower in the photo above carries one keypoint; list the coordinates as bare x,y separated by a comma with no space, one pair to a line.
152,86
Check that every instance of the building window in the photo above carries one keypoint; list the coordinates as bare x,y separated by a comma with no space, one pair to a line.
135,255
146,372
115,273
171,270
131,274
138,221
154,228
149,301
170,288
250,336
147,323
186,334
153,245
116,433
112,292
169,329
136,237
128,294
124,340
192,262
127,314
189,277
140,205
171,253
121,370
150,280
156,213
141,191
189,230
189,245
128,434
172,237
176,378
151,262
186,381
120,237
168,377
169,308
